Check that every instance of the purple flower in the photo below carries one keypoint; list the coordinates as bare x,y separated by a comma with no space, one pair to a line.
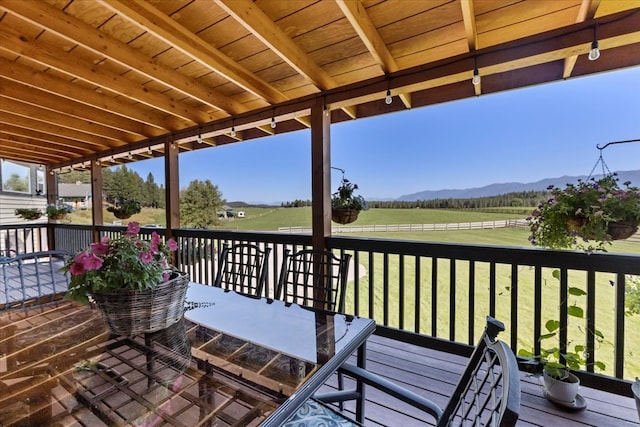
146,257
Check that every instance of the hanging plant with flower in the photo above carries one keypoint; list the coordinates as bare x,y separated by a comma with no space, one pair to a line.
345,205
587,215
124,263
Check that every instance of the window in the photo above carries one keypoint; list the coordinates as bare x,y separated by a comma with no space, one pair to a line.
15,177
40,182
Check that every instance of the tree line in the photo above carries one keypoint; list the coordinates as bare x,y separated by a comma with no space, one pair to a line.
521,199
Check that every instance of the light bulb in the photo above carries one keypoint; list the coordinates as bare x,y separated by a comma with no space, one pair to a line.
130,155
97,162
388,100
173,146
113,159
149,150
325,110
476,77
233,132
594,53
273,122
199,140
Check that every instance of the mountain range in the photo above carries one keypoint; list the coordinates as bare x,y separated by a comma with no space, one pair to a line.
512,187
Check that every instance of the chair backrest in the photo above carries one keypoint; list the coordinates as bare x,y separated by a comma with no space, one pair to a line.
314,278
488,393
32,278
242,268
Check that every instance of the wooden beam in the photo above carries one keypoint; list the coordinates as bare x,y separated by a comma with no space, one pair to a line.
38,138
53,57
146,16
251,17
320,177
469,19
76,31
33,96
157,122
357,16
74,123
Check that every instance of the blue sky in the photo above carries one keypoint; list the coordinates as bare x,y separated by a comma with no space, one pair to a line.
521,135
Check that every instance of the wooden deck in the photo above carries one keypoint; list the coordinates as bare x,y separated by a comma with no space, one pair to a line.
434,374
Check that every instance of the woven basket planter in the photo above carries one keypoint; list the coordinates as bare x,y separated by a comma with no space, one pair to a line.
129,312
622,230
344,216
121,215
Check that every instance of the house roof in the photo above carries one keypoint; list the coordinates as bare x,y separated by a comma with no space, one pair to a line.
116,79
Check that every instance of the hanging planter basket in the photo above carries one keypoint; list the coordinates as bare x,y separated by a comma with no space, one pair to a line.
622,230
344,216
129,312
121,215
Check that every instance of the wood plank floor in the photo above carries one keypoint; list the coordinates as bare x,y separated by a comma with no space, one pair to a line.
434,374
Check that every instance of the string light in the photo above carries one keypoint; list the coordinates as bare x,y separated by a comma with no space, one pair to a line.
149,150
476,74
273,122
130,155
97,162
233,132
199,140
325,110
388,99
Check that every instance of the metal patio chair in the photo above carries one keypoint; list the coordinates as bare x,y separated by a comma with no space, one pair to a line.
487,394
243,268
32,278
314,278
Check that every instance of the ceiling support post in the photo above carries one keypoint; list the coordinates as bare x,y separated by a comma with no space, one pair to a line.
320,176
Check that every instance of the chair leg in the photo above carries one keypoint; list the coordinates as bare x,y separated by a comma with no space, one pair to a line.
362,362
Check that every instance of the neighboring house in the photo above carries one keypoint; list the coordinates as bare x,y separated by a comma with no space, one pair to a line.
22,185
76,195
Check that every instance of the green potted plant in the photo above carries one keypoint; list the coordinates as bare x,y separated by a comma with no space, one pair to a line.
560,384
125,209
58,210
131,281
345,205
587,215
28,214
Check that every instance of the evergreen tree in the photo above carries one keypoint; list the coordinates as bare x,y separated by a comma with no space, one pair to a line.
199,204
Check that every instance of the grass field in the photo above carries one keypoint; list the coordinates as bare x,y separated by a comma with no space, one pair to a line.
270,219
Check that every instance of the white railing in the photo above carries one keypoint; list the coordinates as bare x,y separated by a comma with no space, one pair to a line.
380,228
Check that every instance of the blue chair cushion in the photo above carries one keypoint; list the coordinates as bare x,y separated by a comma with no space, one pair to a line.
314,414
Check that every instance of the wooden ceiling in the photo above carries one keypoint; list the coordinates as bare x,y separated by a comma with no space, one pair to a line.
114,80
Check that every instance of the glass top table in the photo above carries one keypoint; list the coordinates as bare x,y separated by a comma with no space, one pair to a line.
231,360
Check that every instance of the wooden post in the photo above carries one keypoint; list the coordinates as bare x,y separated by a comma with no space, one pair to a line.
320,176
172,186
96,200
52,197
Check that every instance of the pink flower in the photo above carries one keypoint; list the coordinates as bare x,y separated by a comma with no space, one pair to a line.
146,257
155,238
153,247
76,269
133,228
99,248
173,246
105,239
84,262
165,276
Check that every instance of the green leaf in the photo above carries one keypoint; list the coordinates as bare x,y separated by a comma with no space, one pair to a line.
575,311
552,325
556,274
525,353
579,348
598,334
545,336
576,291
600,365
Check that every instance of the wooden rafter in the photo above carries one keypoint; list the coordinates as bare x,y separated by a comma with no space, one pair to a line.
168,30
588,9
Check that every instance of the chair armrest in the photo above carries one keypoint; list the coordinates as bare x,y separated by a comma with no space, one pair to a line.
392,389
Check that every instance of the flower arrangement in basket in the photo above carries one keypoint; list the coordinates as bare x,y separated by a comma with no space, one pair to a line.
345,206
130,280
58,210
125,209
586,215
28,214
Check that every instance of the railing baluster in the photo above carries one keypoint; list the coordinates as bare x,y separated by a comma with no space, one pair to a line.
401,292
514,306
418,287
619,328
434,296
452,299
472,302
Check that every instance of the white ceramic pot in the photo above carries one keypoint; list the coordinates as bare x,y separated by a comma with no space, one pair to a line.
564,390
